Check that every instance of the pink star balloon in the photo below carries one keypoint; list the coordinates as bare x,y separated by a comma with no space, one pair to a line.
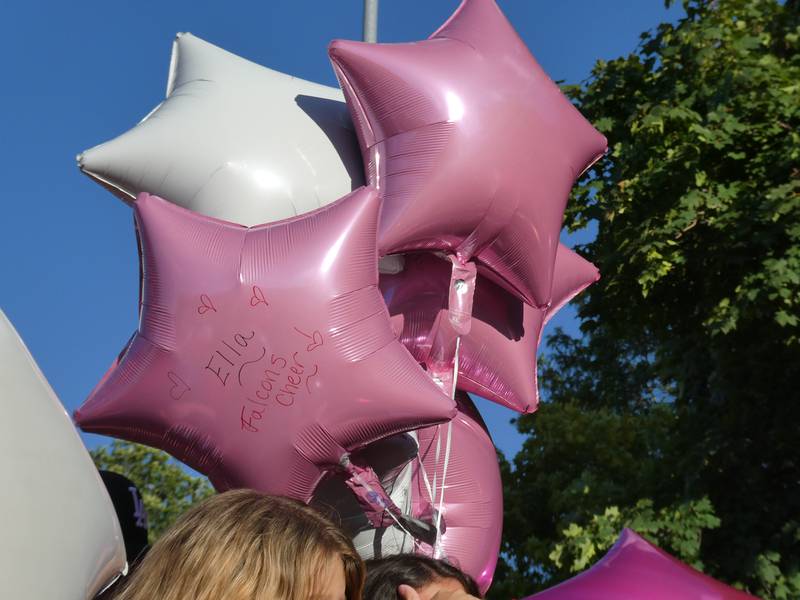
263,354
497,358
472,146
470,492
635,569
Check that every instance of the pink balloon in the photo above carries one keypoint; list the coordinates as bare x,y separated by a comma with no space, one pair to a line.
472,146
473,493
497,358
634,569
263,354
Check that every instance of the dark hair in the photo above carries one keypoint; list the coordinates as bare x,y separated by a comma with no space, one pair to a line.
131,514
384,575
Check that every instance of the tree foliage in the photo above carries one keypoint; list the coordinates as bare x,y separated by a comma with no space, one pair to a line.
677,528
677,409
167,490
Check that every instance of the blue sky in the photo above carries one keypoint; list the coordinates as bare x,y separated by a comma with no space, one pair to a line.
79,73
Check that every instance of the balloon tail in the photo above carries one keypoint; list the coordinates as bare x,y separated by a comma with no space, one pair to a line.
442,361
378,507
462,294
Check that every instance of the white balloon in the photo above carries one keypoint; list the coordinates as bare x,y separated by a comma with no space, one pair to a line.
234,140
60,536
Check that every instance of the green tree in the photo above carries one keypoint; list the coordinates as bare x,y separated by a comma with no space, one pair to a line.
677,410
167,489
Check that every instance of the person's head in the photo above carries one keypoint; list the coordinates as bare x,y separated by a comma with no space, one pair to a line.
242,545
426,575
131,513
132,518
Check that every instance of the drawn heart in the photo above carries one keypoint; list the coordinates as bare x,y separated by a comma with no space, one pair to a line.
316,343
205,305
316,339
258,297
179,387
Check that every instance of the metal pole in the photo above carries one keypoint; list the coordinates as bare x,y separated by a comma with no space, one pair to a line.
370,20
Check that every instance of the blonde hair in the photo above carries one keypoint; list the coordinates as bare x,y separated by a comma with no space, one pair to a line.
242,545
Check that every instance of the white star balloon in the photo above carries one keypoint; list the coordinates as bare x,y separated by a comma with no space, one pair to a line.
61,538
234,140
